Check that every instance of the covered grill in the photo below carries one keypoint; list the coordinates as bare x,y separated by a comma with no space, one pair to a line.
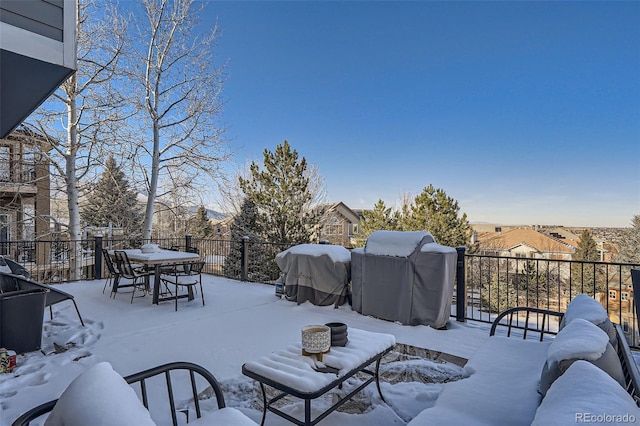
319,273
405,277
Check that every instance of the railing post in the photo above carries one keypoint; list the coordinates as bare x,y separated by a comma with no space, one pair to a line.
244,259
461,297
187,242
97,255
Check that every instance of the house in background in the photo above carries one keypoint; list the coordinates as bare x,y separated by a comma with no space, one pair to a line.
525,242
37,53
338,225
24,194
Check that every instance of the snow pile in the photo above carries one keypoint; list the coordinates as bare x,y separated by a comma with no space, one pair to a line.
586,394
336,253
396,243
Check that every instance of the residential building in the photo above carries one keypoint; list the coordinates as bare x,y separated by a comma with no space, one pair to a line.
24,194
37,53
338,225
525,242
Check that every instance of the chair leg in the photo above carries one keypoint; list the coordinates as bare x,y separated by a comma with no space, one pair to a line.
176,298
114,286
202,292
106,282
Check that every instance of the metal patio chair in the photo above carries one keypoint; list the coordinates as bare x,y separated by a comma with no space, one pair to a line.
128,271
188,274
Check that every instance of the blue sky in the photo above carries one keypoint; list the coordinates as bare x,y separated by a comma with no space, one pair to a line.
524,112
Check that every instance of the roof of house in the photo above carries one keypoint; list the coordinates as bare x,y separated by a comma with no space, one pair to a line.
524,236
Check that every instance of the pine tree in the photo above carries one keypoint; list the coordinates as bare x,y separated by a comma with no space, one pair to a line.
244,225
199,224
281,194
112,200
437,213
380,218
585,275
629,245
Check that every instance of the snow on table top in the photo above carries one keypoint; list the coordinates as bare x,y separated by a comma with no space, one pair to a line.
161,256
290,368
395,243
336,253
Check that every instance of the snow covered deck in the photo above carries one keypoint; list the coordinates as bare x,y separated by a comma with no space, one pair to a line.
241,321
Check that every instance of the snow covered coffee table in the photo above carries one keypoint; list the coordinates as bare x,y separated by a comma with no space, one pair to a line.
303,377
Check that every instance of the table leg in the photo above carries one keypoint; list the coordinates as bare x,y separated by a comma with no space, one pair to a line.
378,379
307,412
156,284
264,404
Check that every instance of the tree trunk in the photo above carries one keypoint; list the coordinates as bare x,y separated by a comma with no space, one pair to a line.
153,184
75,256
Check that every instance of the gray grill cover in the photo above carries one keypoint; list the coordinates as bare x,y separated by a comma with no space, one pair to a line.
404,277
319,273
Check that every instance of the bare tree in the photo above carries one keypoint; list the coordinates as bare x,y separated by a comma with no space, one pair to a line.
181,95
79,118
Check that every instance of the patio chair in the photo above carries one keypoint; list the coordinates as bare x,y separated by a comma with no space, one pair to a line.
128,271
188,274
114,275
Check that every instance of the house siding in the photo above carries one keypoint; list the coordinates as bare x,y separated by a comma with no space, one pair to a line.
43,17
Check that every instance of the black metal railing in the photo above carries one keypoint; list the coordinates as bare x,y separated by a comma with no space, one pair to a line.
485,284
494,284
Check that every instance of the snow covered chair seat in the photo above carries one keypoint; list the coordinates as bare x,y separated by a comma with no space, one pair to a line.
405,277
101,397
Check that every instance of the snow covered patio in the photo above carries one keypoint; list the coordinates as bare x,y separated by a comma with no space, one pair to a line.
240,322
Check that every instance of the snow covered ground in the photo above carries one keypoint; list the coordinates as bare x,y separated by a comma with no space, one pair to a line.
240,322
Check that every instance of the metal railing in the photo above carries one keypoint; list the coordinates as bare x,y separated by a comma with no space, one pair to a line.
485,284
494,284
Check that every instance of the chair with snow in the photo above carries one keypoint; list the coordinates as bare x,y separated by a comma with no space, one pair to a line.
185,274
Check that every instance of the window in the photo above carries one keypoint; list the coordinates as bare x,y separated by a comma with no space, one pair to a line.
624,296
333,227
29,165
625,325
612,295
28,223
5,164
4,234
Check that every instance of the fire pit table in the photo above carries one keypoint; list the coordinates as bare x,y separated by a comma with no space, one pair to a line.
300,376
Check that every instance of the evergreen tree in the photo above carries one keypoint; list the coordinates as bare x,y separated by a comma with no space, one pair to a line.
112,200
245,224
437,213
199,224
380,218
629,245
584,275
281,194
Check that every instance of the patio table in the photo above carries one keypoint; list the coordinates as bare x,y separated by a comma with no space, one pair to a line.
294,374
156,260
